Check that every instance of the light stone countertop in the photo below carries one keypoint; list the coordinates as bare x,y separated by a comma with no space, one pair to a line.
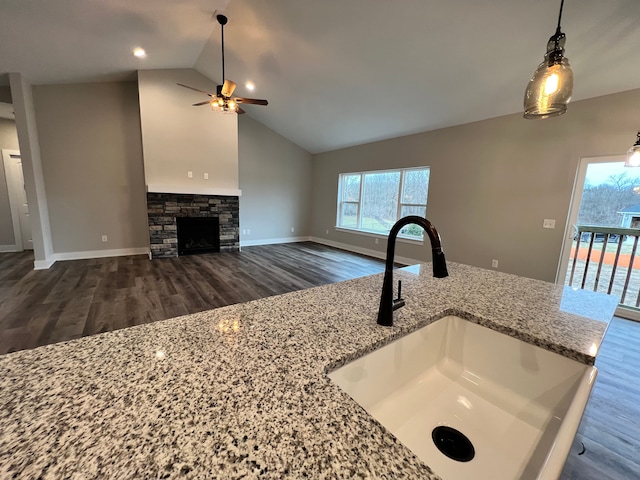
242,392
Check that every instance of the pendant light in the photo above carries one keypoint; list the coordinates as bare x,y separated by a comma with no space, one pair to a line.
633,154
549,90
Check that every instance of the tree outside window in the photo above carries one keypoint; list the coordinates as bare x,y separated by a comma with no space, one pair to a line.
374,201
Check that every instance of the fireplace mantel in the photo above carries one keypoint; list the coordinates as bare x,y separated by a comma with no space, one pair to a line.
195,190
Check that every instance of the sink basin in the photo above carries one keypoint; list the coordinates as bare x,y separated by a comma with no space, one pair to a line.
519,405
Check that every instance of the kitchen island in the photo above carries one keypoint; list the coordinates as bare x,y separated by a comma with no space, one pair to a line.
242,391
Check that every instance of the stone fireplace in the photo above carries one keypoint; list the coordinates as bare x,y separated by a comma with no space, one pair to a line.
163,210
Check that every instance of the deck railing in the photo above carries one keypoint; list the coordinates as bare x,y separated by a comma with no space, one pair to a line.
604,259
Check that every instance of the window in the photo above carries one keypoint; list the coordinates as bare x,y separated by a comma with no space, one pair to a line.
373,201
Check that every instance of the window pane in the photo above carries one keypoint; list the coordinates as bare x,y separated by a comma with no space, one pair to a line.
351,188
349,215
380,202
414,210
415,186
413,230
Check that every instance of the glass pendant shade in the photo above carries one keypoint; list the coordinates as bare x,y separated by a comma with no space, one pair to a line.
550,88
633,155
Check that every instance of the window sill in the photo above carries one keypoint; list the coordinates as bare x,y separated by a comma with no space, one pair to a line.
401,238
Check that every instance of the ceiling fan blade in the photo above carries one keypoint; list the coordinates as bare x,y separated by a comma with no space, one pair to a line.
228,87
252,101
191,88
201,103
240,111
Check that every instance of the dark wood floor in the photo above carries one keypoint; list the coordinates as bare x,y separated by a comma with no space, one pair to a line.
84,297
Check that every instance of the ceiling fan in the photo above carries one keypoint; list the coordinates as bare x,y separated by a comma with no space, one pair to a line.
223,100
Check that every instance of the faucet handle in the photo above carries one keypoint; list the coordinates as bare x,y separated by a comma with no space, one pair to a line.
399,291
398,302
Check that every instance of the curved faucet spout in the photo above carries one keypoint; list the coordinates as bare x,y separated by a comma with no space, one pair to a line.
387,302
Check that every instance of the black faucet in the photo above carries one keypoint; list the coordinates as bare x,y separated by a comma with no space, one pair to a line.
387,303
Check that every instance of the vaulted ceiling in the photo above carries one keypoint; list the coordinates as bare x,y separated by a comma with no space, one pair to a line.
336,72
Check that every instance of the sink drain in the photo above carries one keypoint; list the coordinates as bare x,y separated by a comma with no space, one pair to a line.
453,444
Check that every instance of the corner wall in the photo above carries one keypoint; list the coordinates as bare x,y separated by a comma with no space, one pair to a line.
28,138
492,182
275,178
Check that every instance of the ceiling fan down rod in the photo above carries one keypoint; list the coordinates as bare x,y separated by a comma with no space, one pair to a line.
222,20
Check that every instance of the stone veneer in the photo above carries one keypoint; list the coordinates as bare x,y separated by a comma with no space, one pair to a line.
163,208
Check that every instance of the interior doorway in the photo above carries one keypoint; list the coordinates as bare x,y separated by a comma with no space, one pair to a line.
19,205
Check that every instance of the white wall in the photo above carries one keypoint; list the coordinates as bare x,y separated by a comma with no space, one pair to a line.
275,178
492,182
178,138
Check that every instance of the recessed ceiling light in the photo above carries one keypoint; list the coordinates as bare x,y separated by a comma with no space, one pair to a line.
139,52
250,86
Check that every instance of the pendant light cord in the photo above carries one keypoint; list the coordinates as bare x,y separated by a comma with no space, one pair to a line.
222,35
560,16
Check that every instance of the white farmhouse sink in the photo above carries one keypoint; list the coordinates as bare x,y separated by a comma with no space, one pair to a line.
518,404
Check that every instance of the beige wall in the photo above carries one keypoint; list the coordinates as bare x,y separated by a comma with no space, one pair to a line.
5,94
178,138
91,147
492,182
275,178
8,141
92,161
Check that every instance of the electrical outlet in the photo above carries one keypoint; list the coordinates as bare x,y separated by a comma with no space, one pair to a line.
248,231
292,229
244,231
494,263
548,223
377,241
189,174
104,238
327,231
206,176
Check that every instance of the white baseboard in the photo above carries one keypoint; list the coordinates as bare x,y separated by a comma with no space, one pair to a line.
270,241
9,248
365,251
43,264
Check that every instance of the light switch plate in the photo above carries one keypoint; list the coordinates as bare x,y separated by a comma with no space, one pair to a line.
548,223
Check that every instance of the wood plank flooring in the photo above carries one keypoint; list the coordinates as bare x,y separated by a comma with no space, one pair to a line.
84,297
610,428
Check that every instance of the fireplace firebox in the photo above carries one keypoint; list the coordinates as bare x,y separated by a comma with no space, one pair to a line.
198,235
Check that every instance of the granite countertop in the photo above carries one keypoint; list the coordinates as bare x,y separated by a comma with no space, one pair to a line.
242,392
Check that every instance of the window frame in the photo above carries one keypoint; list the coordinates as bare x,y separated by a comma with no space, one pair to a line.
359,203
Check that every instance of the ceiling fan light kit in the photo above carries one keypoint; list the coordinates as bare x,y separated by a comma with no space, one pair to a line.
223,100
550,88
